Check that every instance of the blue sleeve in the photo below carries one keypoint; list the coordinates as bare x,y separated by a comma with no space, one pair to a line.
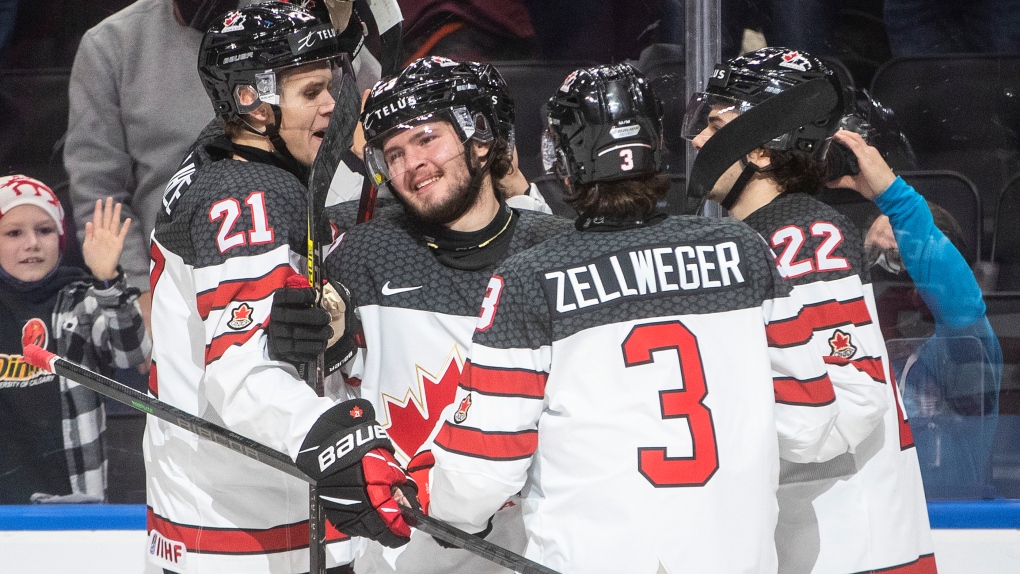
940,273
937,268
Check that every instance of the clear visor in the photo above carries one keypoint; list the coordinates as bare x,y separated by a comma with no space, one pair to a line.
708,113
413,153
310,85
548,152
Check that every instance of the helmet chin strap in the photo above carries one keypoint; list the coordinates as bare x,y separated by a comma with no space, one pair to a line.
750,170
272,132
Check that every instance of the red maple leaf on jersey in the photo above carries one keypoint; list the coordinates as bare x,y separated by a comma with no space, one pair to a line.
841,345
411,421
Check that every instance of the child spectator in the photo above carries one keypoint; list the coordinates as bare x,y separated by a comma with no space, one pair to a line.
51,429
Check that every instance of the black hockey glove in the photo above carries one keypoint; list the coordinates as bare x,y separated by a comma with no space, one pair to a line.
350,457
299,331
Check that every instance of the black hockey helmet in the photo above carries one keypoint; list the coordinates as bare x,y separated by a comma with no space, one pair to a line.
755,77
471,96
248,47
604,124
774,97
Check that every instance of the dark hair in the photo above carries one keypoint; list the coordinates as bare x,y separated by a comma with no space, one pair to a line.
625,197
948,225
502,162
797,172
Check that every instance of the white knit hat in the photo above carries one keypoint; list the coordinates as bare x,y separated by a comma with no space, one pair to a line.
18,190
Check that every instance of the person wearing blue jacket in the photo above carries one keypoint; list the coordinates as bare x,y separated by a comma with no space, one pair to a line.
950,381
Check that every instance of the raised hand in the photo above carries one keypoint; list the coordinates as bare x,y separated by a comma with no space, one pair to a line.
104,239
875,176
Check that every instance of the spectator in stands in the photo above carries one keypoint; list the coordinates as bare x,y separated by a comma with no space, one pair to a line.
925,27
136,104
950,381
808,25
51,430
475,30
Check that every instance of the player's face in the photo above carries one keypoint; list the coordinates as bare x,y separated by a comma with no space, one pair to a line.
306,106
29,243
429,172
717,118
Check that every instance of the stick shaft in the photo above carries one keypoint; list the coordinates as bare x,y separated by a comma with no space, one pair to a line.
243,445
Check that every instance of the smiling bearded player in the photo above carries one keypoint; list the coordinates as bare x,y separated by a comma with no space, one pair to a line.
437,135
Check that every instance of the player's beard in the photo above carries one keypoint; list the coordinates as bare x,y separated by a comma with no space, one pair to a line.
465,191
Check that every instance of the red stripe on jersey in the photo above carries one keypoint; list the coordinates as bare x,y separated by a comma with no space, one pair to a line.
815,392
158,264
923,565
243,290
873,366
503,382
906,435
816,317
153,380
219,345
238,540
488,445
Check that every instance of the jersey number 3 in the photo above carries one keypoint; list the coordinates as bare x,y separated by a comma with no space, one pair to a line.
686,403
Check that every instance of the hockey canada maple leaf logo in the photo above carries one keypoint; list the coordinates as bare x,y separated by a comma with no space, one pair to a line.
841,345
462,410
410,419
357,413
240,317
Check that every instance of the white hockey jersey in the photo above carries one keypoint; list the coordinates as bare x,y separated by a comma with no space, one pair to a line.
219,251
863,511
417,316
626,382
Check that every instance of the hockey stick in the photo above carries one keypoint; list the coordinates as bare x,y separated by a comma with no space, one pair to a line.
388,19
338,137
50,362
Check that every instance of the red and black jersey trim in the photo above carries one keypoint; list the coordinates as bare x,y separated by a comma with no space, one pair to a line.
153,380
477,443
873,366
817,317
925,564
503,382
816,392
219,345
250,289
237,541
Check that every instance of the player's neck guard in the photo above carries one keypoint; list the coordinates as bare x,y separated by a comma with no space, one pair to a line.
798,107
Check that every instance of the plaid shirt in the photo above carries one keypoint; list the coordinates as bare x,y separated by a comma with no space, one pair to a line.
100,329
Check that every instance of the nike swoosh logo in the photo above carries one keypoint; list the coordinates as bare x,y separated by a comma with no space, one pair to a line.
387,290
308,449
344,501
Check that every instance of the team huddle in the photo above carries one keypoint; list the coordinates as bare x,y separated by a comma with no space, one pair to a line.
627,392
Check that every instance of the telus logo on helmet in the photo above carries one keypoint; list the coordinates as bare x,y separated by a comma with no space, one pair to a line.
388,109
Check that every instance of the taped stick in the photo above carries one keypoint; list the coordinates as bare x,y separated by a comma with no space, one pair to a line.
50,362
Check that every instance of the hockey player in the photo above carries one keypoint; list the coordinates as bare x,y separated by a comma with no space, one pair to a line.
437,135
231,231
763,128
602,380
